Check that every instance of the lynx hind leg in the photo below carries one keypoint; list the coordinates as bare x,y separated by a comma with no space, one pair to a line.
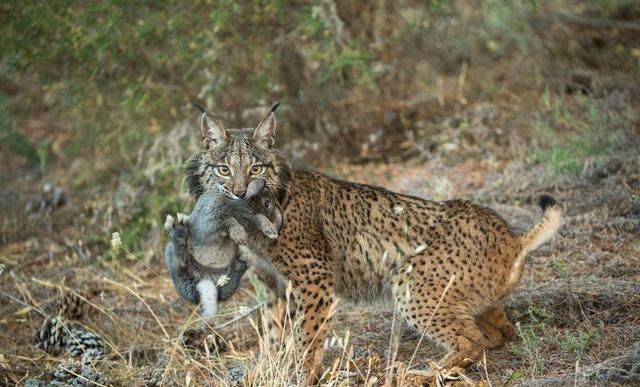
495,325
437,307
456,329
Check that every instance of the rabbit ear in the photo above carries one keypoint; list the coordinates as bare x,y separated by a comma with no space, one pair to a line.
254,188
264,133
278,221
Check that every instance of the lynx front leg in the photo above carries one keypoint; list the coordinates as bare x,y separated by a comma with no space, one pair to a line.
277,321
314,300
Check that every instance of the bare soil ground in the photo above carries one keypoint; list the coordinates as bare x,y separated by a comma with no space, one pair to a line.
577,308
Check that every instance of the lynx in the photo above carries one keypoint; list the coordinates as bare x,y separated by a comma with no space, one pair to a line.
446,265
203,253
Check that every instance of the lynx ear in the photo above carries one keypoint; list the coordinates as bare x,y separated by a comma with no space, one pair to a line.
264,133
213,133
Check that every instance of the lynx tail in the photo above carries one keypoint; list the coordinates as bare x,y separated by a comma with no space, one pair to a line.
540,233
546,227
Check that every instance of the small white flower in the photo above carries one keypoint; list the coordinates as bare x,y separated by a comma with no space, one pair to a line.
115,240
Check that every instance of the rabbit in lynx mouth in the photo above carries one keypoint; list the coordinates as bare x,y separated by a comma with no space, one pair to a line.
204,254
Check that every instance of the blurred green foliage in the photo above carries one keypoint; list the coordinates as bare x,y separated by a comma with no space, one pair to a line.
110,81
15,142
581,134
117,72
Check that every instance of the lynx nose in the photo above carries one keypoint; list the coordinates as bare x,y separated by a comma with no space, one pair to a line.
240,193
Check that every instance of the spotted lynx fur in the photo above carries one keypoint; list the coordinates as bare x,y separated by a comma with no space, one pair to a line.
446,265
204,253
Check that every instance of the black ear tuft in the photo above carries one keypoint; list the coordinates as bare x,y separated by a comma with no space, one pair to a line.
547,201
264,133
202,110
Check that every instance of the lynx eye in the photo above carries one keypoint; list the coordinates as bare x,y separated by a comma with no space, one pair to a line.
222,170
257,169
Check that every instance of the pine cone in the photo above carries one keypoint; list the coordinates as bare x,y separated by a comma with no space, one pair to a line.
198,338
81,374
52,336
156,377
35,383
236,373
71,306
151,377
85,344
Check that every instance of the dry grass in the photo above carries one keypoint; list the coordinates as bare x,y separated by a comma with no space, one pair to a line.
546,105
579,327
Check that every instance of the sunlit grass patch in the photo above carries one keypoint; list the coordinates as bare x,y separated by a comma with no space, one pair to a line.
580,133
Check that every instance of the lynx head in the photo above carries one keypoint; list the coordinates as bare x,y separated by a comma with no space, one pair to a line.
232,158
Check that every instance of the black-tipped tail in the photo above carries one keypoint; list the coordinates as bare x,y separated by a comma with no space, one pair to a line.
546,227
274,107
547,201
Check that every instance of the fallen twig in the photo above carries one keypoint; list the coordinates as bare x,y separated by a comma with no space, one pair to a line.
235,319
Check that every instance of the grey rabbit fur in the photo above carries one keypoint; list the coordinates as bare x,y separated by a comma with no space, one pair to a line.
203,255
